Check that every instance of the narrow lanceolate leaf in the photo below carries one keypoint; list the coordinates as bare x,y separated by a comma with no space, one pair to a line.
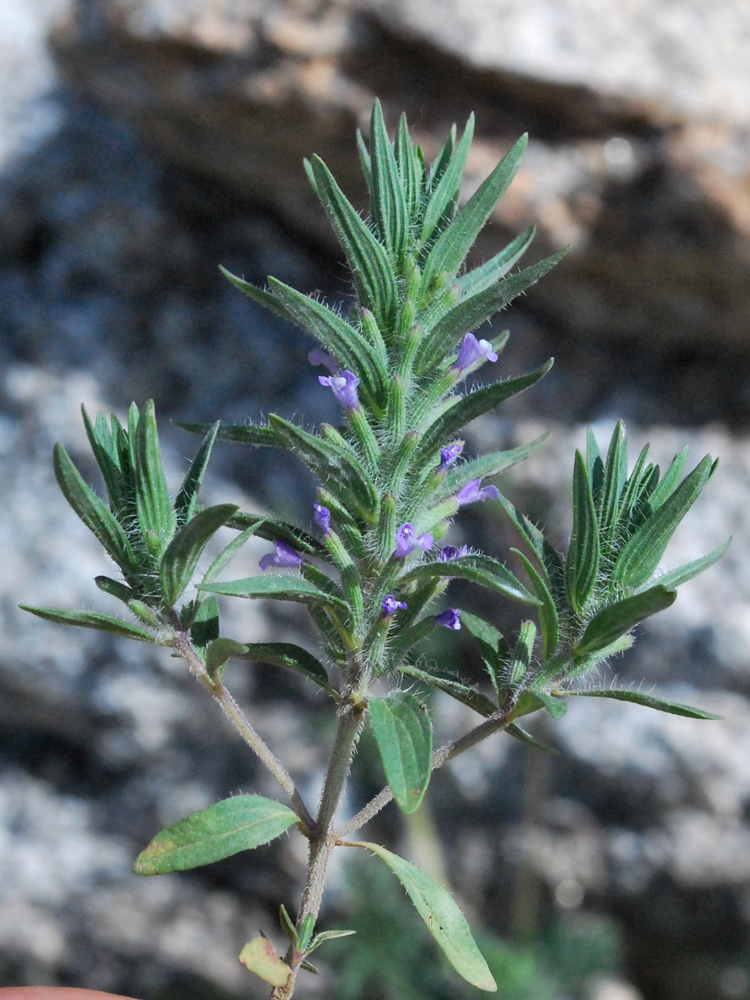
324,936
368,260
514,730
388,205
91,619
548,559
184,505
218,654
92,511
492,647
669,480
205,627
582,567
469,696
496,267
617,619
258,295
364,159
234,825
155,514
471,312
114,588
490,465
533,701
615,471
443,918
467,408
183,552
548,617
286,654
403,732
353,351
642,552
647,700
259,435
454,243
481,569
278,588
520,661
684,573
228,553
446,190
409,168
259,956
107,459
266,527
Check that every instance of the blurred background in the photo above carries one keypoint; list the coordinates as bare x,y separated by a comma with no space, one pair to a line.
145,142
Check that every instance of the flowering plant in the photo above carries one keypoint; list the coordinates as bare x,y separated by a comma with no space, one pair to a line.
373,571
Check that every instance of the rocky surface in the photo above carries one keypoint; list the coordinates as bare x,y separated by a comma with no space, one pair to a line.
180,149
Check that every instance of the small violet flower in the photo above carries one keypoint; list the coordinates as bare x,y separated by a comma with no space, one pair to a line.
318,357
449,619
472,350
407,541
322,517
390,605
449,455
473,492
449,552
344,386
284,557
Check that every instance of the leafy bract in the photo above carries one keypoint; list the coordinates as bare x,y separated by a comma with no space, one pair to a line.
226,828
443,918
646,700
93,620
281,588
403,732
616,619
481,569
183,552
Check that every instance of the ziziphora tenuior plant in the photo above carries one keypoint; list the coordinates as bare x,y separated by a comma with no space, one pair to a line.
371,570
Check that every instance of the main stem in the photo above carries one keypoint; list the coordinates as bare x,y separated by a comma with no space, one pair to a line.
322,842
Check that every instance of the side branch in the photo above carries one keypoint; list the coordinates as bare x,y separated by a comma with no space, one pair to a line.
242,724
492,724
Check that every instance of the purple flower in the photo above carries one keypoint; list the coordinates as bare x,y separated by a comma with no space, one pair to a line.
449,455
449,552
322,517
407,541
390,605
318,357
449,618
283,558
344,386
471,493
472,350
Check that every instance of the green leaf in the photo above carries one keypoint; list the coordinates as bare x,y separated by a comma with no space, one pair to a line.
410,170
490,465
92,511
270,530
670,479
183,552
446,190
496,267
259,956
642,553
388,205
527,739
107,459
481,569
184,505
492,646
205,627
364,159
632,488
324,936
91,619
677,577
155,514
582,567
368,260
546,556
226,828
258,295
468,696
443,918
454,243
353,351
403,732
463,409
286,654
533,701
519,662
218,653
548,617
230,551
114,588
280,588
647,700
258,435
471,312
615,473
305,931
617,619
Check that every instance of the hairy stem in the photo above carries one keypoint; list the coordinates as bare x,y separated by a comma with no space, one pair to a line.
234,713
492,724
